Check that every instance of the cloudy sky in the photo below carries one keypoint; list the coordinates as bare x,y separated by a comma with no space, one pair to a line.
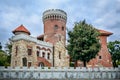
102,14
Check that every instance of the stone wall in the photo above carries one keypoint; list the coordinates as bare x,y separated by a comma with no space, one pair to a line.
55,73
22,52
61,58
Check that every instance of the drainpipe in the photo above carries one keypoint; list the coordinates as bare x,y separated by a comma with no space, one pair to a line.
53,56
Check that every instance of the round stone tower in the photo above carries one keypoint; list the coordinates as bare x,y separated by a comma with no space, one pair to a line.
54,21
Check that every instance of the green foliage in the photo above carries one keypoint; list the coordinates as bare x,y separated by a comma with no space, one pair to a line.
5,56
0,46
3,59
83,42
114,49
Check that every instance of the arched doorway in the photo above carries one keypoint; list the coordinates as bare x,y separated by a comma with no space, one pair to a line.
24,60
41,64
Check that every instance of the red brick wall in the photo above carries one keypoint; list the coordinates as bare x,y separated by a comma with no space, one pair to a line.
105,60
104,53
50,32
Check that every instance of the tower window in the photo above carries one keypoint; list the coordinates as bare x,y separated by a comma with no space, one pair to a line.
55,27
100,57
29,51
62,28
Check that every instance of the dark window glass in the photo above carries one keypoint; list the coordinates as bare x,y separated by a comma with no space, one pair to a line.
100,57
24,61
48,56
29,51
43,54
37,53
55,27
62,28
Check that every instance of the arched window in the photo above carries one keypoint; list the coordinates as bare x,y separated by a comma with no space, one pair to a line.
38,53
43,54
41,64
24,60
48,56
55,27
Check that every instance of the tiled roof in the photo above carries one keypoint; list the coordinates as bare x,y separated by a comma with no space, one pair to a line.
105,33
21,28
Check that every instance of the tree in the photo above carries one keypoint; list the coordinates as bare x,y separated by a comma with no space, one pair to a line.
0,46
83,42
114,49
3,57
8,47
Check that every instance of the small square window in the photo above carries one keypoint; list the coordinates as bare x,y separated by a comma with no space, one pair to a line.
29,64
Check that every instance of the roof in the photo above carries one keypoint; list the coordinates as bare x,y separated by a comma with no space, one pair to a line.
104,33
21,28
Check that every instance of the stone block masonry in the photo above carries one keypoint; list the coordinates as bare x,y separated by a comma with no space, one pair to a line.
58,73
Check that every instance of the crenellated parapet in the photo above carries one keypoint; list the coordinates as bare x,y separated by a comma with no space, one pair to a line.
55,14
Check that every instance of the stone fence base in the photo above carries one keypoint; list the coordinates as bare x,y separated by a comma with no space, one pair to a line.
59,73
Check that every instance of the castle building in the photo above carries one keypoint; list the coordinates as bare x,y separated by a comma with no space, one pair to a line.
49,49
45,50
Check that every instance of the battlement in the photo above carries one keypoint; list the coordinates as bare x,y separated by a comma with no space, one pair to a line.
55,14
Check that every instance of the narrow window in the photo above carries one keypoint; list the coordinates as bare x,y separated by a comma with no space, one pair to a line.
48,56
59,55
29,64
43,54
62,28
100,57
29,51
16,51
37,53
